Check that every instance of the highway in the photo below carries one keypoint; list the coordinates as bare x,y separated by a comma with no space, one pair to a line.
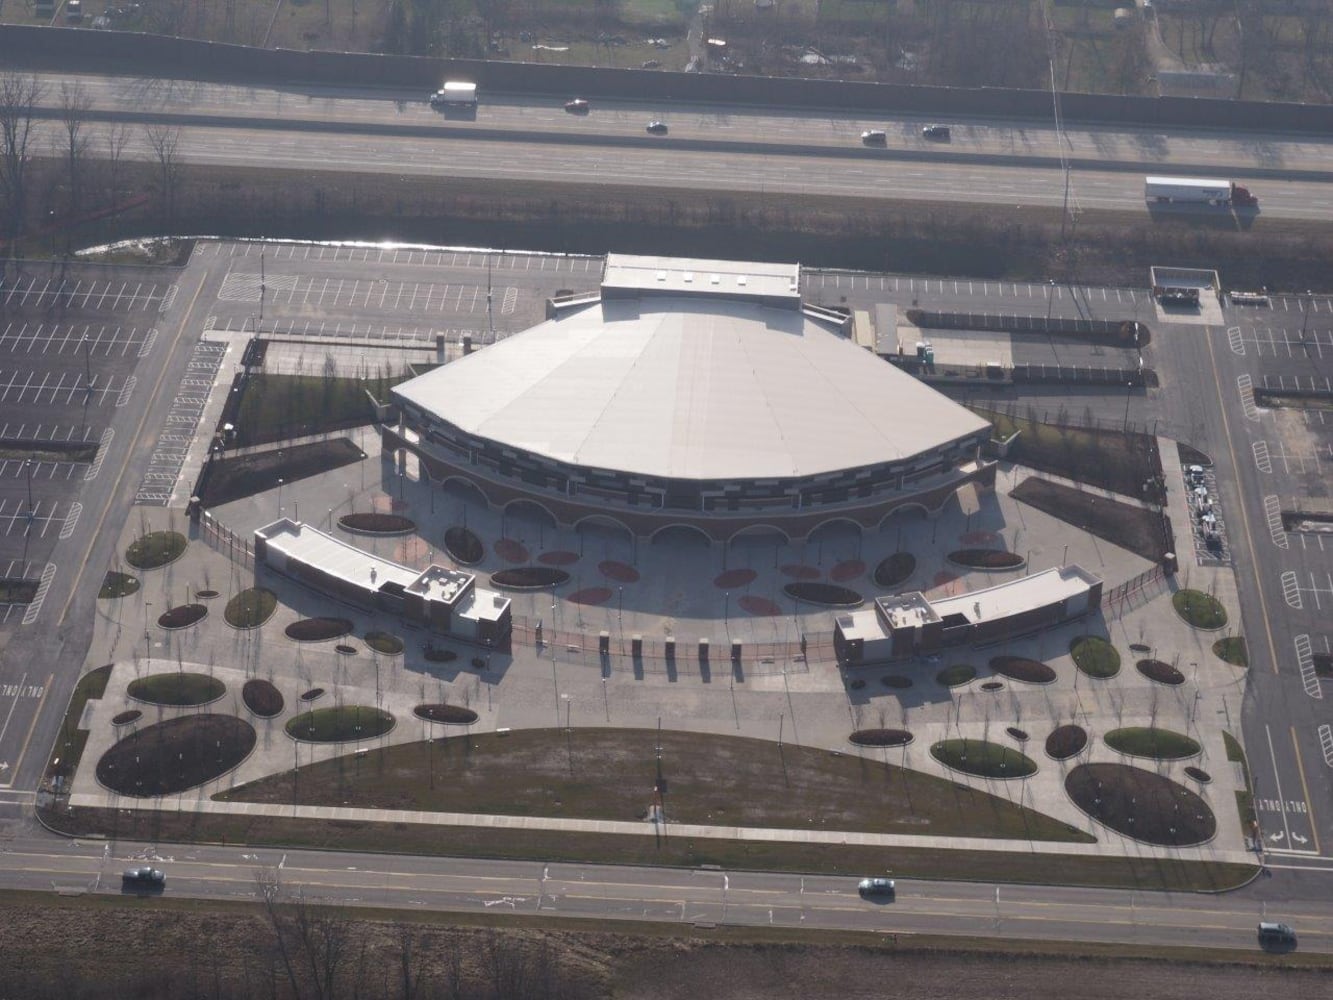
714,148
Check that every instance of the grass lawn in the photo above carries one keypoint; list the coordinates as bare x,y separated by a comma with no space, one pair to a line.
383,642
959,673
277,407
984,759
177,689
610,774
1199,609
1144,741
1233,650
340,724
1244,797
1141,531
70,740
157,548
117,585
895,569
250,608
1095,656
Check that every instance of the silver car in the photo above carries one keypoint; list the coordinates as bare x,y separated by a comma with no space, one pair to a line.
876,887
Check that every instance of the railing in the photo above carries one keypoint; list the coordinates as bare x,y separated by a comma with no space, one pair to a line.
1133,593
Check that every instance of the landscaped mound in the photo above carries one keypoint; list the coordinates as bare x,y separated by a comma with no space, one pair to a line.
383,642
881,737
983,759
1162,673
1203,611
371,523
529,578
1095,656
177,689
117,585
895,569
262,698
1146,741
1232,650
463,545
1066,741
340,724
157,548
828,594
454,714
959,673
182,616
318,629
125,718
250,608
1141,804
985,558
175,755
1020,668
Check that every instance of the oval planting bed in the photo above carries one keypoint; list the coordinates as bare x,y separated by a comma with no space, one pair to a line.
345,649
895,569
1095,656
992,686
125,718
1020,668
117,585
178,689
959,673
1162,673
454,715
985,559
983,759
830,595
1141,804
250,608
896,681
370,523
312,695
175,755
1232,650
383,642
1147,741
262,698
318,629
182,616
340,724
157,548
1203,611
436,654
529,578
731,579
1018,734
205,595
1199,774
463,545
881,737
1066,741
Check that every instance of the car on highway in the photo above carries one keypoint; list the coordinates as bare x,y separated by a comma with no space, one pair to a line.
144,877
577,106
936,132
876,887
874,137
657,128
1275,935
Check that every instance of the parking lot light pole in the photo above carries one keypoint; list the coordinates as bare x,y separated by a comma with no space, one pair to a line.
1129,393
1305,312
27,467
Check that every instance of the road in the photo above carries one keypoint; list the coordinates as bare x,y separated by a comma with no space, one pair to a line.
717,148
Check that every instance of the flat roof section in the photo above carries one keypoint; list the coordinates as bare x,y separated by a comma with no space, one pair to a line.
312,547
684,276
1017,596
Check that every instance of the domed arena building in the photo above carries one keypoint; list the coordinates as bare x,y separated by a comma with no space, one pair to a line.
691,393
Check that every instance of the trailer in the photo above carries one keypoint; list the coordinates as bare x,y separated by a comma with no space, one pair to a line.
455,93
1197,191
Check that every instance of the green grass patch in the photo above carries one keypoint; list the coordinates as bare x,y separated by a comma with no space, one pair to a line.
610,773
1233,650
1095,656
1199,609
1249,819
340,724
383,642
117,585
68,749
1148,741
157,548
984,759
278,407
177,689
894,569
250,608
959,673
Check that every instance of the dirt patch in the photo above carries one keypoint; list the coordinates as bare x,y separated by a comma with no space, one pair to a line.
760,607
1141,531
236,477
175,755
848,570
559,557
796,571
591,595
1066,741
262,698
529,578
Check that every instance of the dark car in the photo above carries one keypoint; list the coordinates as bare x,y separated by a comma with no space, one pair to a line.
935,131
578,106
1275,935
876,887
657,128
144,877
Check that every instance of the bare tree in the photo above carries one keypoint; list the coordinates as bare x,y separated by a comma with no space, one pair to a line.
165,143
73,145
117,140
19,96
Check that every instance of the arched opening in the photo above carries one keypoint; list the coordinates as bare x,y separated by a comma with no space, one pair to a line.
757,537
464,491
685,536
907,514
530,513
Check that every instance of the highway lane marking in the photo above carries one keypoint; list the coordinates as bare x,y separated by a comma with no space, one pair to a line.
27,739
1305,790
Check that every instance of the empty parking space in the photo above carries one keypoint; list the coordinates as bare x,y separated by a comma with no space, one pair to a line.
406,256
182,423
1280,342
58,388
357,294
72,340
31,292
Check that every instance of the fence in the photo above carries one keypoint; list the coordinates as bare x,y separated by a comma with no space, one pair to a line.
1133,593
218,536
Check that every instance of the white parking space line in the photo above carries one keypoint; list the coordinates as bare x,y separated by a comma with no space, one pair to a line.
1326,743
1305,660
1273,514
44,584
1237,341
1262,460
1245,385
1291,590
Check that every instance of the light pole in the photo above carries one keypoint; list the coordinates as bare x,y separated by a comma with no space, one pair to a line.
27,467
1129,391
1305,312
87,365
279,496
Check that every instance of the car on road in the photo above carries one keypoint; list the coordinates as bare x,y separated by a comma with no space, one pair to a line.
577,106
144,877
657,128
874,137
1272,934
936,132
875,887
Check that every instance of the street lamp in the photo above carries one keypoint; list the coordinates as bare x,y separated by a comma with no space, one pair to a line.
1129,391
279,496
1305,311
27,467
87,365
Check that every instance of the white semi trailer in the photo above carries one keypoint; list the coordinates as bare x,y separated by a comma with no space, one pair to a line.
455,93
1196,190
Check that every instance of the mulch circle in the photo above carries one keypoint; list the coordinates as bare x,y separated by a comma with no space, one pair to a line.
1021,668
453,714
1066,741
992,686
847,570
830,595
759,606
560,557
618,571
125,718
262,697
881,737
510,550
345,650
182,616
205,595
590,595
312,694
318,629
1139,647
981,537
1019,734
1199,775
732,578
369,523
1162,673
174,755
799,572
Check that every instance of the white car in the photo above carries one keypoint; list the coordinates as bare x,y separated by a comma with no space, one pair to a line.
876,887
874,137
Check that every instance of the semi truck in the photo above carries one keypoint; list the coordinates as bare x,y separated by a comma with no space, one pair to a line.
1198,191
455,93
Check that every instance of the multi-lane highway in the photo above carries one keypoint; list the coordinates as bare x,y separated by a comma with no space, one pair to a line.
709,147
